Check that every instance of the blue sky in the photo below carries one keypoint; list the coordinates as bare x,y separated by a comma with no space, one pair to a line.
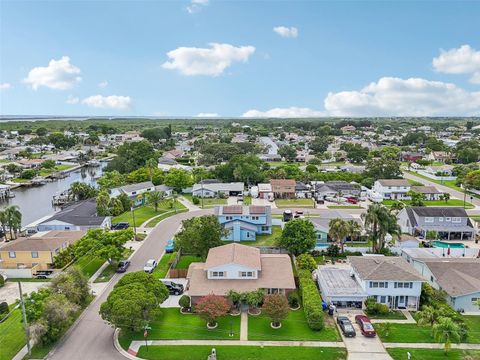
240,58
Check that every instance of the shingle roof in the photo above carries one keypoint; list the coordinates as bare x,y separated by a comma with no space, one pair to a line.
394,182
391,268
449,211
79,213
234,254
48,242
456,276
137,187
425,189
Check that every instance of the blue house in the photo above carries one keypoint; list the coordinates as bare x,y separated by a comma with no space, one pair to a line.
244,223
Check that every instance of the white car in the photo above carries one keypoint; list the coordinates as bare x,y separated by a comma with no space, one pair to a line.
150,266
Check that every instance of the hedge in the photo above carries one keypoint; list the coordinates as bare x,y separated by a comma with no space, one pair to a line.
312,302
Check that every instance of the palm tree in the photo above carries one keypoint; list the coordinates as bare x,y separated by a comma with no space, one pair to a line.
338,230
396,206
154,198
354,229
151,165
379,222
446,331
3,223
14,220
445,197
427,316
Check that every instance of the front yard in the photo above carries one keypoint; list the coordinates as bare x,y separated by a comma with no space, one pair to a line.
12,335
450,202
294,327
431,354
143,213
207,202
241,353
294,203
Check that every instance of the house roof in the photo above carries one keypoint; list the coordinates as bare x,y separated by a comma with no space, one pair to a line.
391,268
394,182
136,187
264,187
323,222
234,253
338,282
236,186
242,210
425,189
437,211
283,185
79,213
276,272
456,276
51,241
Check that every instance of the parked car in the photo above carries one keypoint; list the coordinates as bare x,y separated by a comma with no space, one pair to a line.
366,326
346,326
150,266
123,266
120,226
352,200
169,248
173,288
43,274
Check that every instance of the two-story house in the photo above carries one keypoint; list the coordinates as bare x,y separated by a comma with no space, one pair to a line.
283,188
389,280
136,192
244,223
448,223
242,269
392,189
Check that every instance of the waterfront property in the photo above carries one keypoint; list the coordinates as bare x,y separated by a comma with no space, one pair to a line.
390,280
135,192
447,223
244,223
81,215
240,268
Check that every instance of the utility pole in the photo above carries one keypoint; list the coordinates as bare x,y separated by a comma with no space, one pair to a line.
132,209
25,325
201,183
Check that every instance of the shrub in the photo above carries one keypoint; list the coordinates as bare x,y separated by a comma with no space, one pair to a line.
3,308
312,302
371,306
293,299
195,200
2,281
382,309
184,302
306,262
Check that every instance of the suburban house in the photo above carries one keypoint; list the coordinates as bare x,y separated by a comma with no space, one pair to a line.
431,193
448,223
265,191
36,252
283,188
458,277
411,156
440,171
302,190
217,189
136,192
240,268
388,279
334,188
81,215
167,190
439,156
31,163
244,223
167,164
322,226
392,189
348,129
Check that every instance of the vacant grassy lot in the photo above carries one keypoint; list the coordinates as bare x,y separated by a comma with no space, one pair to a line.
12,335
89,265
241,353
294,203
429,354
294,327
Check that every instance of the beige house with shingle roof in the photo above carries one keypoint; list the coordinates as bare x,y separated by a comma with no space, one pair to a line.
240,268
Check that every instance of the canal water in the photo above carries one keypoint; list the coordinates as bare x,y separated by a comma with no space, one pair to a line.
35,202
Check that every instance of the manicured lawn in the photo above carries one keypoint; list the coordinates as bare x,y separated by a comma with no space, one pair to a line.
143,213
392,315
172,325
207,202
473,323
12,335
62,167
110,270
163,265
89,265
154,222
27,280
450,202
344,207
294,203
186,260
448,183
294,327
434,354
266,240
241,353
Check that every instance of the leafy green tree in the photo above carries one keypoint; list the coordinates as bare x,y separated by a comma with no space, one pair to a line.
306,262
110,180
467,151
178,179
276,308
28,174
416,198
339,229
105,244
49,164
60,141
298,236
320,144
103,201
386,166
73,284
211,307
446,332
156,134
255,298
155,198
34,303
445,197
356,153
41,131
200,234
82,191
131,156
288,152
396,206
472,180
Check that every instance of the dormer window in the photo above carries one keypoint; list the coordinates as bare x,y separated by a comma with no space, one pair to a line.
217,274
429,219
246,274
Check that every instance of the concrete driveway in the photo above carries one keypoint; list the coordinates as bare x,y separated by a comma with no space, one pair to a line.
10,294
361,347
172,301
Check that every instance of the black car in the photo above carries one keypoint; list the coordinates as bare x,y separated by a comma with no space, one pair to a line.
346,326
123,266
173,288
120,226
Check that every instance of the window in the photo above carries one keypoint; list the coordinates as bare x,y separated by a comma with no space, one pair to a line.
218,274
12,254
246,273
265,228
456,220
383,299
248,234
448,219
404,285
34,254
440,219
228,218
429,219
475,300
254,217
274,291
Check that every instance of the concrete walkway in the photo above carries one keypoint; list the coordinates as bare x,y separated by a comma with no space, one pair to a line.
409,319
244,326
188,204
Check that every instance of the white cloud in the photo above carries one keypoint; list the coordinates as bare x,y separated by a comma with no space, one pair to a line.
464,60
59,75
103,84
196,5
204,115
286,32
5,86
404,97
72,100
291,112
108,102
206,61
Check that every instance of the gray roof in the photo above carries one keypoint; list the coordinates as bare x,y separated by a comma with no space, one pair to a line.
449,211
237,186
336,186
394,182
392,268
456,276
338,282
322,222
136,187
79,213
425,189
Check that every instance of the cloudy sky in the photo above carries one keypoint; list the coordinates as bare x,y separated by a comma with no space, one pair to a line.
245,58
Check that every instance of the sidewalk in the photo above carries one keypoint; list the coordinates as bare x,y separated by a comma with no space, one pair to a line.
188,204
244,326
462,346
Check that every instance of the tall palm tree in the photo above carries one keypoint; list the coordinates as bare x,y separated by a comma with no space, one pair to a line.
354,229
379,222
151,165
446,331
338,230
154,198
14,220
3,223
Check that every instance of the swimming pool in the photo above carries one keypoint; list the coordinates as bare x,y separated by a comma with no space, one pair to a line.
441,244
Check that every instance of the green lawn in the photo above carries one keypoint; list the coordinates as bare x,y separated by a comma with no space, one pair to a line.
207,202
247,200
172,325
450,202
12,335
89,265
143,213
266,240
110,270
392,315
241,353
154,222
473,323
294,203
430,354
449,183
62,167
294,327
186,260
163,265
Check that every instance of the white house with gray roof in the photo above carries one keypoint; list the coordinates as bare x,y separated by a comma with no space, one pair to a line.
392,189
217,189
136,192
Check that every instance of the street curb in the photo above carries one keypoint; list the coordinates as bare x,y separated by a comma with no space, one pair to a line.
119,348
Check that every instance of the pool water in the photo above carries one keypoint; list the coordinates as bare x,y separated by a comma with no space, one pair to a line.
441,244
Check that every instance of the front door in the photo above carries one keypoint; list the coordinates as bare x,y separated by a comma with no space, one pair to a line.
402,300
